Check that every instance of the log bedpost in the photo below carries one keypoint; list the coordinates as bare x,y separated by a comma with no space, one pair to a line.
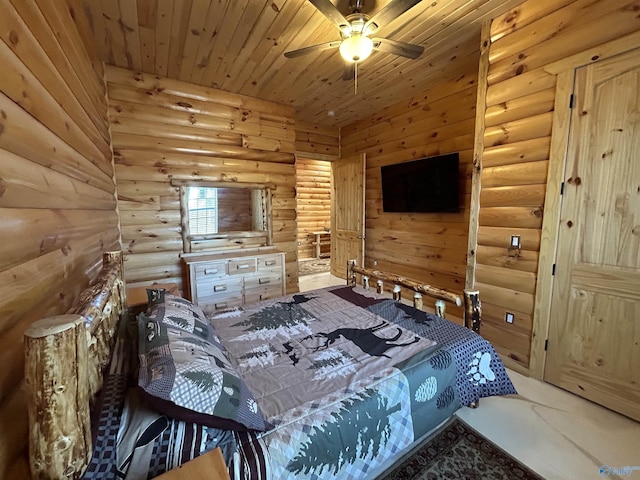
441,308
58,397
379,286
397,293
472,310
417,301
365,282
351,274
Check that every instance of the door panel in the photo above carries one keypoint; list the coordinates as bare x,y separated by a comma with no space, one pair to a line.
347,213
594,335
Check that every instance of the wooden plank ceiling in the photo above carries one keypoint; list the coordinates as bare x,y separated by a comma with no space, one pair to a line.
238,46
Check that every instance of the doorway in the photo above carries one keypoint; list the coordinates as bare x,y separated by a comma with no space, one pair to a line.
313,205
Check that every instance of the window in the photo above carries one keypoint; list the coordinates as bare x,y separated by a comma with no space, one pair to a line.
203,210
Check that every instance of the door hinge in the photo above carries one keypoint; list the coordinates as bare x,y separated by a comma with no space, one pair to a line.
562,188
571,98
553,269
546,344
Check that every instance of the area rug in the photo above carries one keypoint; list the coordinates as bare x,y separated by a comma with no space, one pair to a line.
314,265
457,451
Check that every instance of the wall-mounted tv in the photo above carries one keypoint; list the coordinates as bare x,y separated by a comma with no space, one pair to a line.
426,185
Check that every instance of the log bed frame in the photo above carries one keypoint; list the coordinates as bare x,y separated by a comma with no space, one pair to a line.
65,357
472,305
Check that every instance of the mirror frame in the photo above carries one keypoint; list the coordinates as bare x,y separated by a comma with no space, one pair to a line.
265,189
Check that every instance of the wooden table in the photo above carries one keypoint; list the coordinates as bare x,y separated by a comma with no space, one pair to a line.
208,466
322,238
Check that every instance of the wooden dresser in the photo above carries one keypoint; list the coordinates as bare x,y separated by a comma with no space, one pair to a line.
217,281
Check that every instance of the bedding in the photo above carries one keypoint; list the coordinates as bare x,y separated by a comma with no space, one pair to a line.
346,379
184,369
349,379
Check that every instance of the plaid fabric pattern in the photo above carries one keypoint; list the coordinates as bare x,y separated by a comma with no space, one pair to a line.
103,461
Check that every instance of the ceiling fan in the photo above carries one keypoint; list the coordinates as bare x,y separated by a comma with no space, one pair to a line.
356,29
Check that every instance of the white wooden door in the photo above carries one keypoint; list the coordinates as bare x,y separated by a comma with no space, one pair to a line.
347,213
594,336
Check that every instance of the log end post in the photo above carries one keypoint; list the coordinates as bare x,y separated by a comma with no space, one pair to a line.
441,308
417,301
57,397
379,286
351,274
397,293
365,282
472,310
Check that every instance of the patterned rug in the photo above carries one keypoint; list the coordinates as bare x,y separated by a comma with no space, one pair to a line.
314,265
459,452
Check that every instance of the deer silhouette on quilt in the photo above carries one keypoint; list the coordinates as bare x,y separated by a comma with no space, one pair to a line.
366,339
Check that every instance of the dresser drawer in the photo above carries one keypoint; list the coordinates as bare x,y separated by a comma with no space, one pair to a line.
242,266
210,270
215,287
263,279
269,262
257,294
222,302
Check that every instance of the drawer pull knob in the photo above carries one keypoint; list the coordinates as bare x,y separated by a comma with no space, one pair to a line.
219,288
262,281
270,263
220,305
210,271
243,266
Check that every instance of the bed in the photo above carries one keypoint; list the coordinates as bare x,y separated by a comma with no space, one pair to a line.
333,383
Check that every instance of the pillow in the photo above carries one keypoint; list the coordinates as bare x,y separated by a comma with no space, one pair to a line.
186,373
178,312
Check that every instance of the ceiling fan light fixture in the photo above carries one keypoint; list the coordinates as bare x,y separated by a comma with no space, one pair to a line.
356,48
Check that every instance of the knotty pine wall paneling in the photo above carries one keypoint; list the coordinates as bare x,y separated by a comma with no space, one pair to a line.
526,46
318,142
57,191
166,129
429,247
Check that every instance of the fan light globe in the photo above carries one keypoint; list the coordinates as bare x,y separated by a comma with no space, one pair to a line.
356,48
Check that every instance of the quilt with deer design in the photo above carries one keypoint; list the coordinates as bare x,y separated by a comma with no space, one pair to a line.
349,379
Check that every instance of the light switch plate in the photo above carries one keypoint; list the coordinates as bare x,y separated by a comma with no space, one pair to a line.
509,317
515,241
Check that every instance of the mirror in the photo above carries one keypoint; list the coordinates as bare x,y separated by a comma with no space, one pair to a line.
224,215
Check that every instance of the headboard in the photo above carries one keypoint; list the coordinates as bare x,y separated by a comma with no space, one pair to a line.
472,305
64,360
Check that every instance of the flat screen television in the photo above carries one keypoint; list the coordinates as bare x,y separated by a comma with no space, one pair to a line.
426,185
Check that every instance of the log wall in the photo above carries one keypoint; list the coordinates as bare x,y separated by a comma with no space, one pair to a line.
317,141
57,193
525,44
428,247
313,187
166,129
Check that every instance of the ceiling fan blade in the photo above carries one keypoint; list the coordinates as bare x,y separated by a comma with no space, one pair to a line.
403,49
349,72
312,49
329,10
390,12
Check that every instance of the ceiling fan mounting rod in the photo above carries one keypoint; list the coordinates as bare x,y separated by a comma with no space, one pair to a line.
356,6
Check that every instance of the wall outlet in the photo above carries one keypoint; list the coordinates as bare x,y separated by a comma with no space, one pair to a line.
509,317
375,263
515,241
